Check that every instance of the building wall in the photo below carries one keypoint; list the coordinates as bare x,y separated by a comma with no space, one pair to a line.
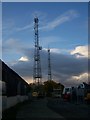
11,101
14,88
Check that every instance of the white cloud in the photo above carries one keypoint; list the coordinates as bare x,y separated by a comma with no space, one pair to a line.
63,67
11,42
25,27
57,50
15,45
81,78
24,58
11,47
76,80
53,50
80,51
68,16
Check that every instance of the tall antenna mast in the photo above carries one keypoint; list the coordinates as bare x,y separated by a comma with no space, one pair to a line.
37,63
49,66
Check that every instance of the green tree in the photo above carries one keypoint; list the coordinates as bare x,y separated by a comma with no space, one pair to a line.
50,85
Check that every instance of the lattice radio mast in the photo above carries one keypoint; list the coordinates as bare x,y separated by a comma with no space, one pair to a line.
49,66
37,63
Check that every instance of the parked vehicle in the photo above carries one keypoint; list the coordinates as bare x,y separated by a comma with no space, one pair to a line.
67,93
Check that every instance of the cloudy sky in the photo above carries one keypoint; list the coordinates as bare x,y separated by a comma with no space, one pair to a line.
62,26
45,0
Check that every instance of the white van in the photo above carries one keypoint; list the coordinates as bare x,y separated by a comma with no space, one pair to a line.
67,93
